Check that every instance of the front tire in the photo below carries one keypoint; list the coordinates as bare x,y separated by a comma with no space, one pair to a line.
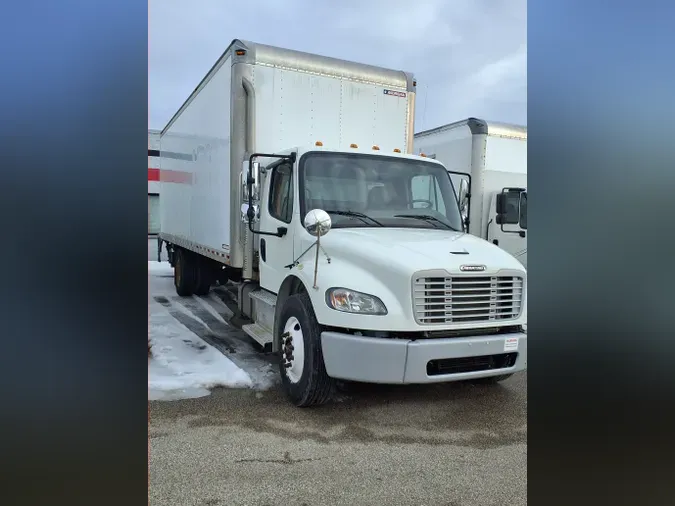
303,372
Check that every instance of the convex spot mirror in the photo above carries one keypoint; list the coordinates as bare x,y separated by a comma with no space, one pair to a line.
318,222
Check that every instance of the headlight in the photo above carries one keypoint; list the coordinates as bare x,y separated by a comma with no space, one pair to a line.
351,301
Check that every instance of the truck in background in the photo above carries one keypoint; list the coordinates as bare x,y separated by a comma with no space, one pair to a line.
292,175
487,161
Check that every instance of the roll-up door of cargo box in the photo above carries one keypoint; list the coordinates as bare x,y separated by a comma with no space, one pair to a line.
153,213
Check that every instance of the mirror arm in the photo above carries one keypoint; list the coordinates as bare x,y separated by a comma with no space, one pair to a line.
281,231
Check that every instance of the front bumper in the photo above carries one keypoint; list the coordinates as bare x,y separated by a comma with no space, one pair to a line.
434,360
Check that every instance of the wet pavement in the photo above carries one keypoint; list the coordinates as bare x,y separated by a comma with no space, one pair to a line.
452,444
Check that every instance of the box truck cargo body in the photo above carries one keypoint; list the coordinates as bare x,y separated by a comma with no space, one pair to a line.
291,175
268,99
492,157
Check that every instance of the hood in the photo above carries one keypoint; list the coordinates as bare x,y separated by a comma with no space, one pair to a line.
412,249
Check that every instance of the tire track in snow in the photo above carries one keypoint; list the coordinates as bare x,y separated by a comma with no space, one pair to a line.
232,343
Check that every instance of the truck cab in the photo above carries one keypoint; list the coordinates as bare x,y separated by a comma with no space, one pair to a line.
365,273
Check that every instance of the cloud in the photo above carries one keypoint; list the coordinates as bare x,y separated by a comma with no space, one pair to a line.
469,56
497,90
397,23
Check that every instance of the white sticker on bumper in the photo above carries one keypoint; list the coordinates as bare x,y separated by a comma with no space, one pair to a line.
511,344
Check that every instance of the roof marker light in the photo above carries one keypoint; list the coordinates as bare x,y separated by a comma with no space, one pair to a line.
423,155
318,143
353,146
396,150
376,148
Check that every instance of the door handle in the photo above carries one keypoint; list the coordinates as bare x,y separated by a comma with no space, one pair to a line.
263,249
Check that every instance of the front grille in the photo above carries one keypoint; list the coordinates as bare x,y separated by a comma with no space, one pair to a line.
467,299
471,364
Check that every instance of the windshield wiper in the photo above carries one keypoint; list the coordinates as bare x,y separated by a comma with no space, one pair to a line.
355,214
426,217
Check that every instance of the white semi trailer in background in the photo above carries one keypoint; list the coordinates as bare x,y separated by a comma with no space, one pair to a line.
291,175
487,161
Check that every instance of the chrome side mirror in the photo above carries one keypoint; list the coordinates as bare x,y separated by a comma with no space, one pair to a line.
244,185
250,181
255,180
244,213
463,197
318,222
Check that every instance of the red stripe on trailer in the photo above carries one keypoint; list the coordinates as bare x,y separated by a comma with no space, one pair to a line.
175,176
169,176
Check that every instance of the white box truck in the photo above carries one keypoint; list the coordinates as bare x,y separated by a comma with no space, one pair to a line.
292,175
487,161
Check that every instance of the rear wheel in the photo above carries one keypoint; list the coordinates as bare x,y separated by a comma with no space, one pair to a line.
203,277
183,273
303,372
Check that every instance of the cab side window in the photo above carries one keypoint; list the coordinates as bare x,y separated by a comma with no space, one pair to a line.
281,193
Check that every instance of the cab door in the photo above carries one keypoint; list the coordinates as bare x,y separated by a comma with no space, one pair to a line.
276,213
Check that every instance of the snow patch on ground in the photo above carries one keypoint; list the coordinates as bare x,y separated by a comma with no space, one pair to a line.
183,365
156,268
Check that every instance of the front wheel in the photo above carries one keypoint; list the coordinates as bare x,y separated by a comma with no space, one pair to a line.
303,372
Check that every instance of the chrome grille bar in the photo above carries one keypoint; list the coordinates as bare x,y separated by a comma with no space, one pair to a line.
465,299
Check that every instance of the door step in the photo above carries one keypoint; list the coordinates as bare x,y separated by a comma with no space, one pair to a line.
260,335
265,297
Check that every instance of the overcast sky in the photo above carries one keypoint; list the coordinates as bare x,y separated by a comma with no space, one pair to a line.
469,56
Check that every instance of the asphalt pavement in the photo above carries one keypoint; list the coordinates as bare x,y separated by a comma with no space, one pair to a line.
447,445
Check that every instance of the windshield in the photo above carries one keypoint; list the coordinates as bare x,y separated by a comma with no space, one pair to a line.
360,190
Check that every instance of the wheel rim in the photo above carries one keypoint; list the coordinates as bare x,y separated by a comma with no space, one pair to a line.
293,349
